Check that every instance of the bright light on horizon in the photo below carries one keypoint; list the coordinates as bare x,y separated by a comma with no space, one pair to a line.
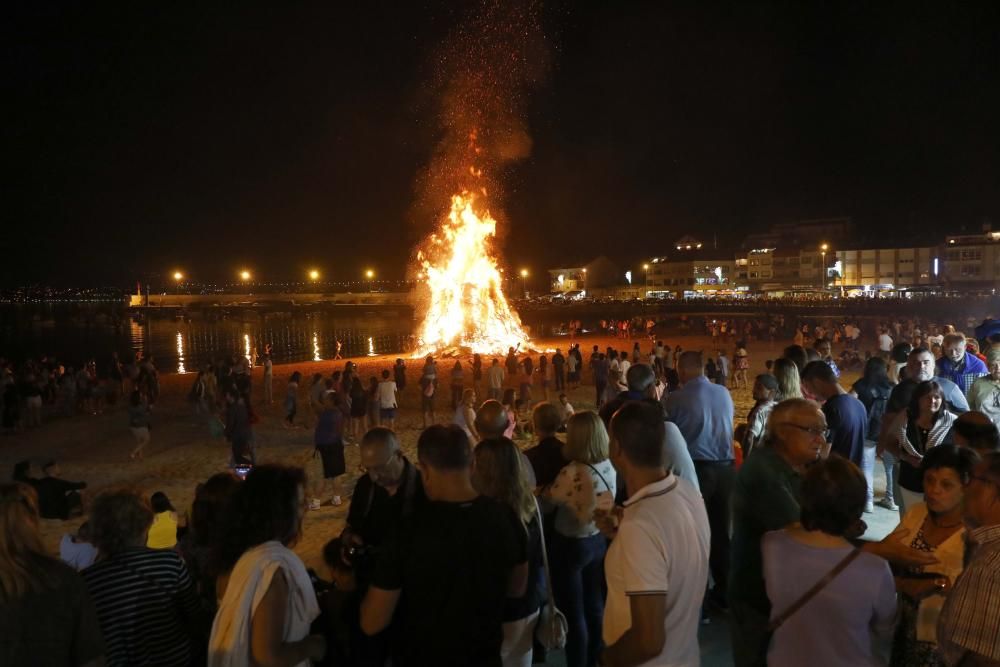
178,276
314,275
244,275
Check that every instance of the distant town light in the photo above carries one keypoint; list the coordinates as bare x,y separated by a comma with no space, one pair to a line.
369,274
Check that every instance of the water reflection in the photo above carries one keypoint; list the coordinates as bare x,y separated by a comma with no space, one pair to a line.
246,349
371,347
316,356
180,353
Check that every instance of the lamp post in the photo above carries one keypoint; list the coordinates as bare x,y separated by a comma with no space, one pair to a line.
645,275
314,275
178,277
245,277
370,275
584,281
822,269
524,283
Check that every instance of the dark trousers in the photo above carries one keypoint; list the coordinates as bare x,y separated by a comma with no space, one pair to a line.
577,577
716,480
560,378
600,386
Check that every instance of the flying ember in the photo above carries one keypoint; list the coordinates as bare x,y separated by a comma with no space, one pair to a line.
466,310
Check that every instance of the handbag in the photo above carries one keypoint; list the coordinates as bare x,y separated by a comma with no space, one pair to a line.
552,627
811,593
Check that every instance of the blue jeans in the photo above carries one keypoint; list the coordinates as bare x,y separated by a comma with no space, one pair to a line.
577,576
868,469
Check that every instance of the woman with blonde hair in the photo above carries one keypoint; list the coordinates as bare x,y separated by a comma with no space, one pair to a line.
46,615
578,547
465,415
498,473
787,374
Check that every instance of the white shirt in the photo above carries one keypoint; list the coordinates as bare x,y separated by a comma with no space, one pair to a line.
885,342
78,555
623,367
494,377
661,549
387,394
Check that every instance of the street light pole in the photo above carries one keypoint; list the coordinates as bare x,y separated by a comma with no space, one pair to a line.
524,283
822,268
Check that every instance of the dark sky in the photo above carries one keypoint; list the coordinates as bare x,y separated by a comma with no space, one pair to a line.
145,137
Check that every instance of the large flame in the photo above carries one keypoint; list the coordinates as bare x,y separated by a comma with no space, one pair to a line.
466,308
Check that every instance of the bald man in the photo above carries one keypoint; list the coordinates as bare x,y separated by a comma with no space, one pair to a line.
492,422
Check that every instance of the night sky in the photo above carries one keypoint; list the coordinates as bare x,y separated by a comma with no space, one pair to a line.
141,139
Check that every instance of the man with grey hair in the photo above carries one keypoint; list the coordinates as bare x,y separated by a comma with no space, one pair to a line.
642,387
959,365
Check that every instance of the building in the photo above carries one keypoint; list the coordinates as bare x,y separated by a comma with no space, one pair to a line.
972,261
599,272
885,269
690,270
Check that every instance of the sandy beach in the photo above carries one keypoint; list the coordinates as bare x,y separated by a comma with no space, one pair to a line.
182,453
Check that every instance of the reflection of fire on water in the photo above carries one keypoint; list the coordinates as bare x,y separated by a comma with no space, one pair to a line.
466,310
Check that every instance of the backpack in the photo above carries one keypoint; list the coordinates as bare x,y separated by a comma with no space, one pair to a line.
876,412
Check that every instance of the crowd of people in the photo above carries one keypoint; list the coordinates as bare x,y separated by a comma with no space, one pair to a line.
611,536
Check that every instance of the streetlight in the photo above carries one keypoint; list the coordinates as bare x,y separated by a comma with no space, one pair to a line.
178,277
370,275
645,274
822,271
314,275
584,280
524,278
244,275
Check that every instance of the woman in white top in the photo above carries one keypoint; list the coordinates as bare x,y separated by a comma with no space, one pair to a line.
465,415
934,525
578,547
267,600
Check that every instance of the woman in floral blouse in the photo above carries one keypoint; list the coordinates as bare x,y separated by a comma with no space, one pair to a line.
578,547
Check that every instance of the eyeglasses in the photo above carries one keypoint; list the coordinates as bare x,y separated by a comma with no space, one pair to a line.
811,430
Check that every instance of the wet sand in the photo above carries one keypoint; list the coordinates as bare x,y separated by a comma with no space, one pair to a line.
95,448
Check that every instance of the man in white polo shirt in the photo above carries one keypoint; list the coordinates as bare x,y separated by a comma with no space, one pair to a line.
657,565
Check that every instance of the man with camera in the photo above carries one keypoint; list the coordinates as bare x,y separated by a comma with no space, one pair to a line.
385,496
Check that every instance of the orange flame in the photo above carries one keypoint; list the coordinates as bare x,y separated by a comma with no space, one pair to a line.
466,308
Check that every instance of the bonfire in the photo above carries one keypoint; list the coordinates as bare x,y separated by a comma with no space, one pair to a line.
465,309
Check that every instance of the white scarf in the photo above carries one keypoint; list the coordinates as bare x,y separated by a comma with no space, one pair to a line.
229,644
934,436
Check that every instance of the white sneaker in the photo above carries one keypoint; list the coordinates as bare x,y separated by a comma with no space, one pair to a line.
336,502
870,508
888,504
314,504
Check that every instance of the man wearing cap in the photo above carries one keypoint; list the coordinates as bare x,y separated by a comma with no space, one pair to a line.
765,388
984,396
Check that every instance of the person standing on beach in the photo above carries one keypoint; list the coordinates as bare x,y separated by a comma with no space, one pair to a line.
292,399
138,422
268,379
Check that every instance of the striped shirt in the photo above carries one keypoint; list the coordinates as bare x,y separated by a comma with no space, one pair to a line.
970,619
140,596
